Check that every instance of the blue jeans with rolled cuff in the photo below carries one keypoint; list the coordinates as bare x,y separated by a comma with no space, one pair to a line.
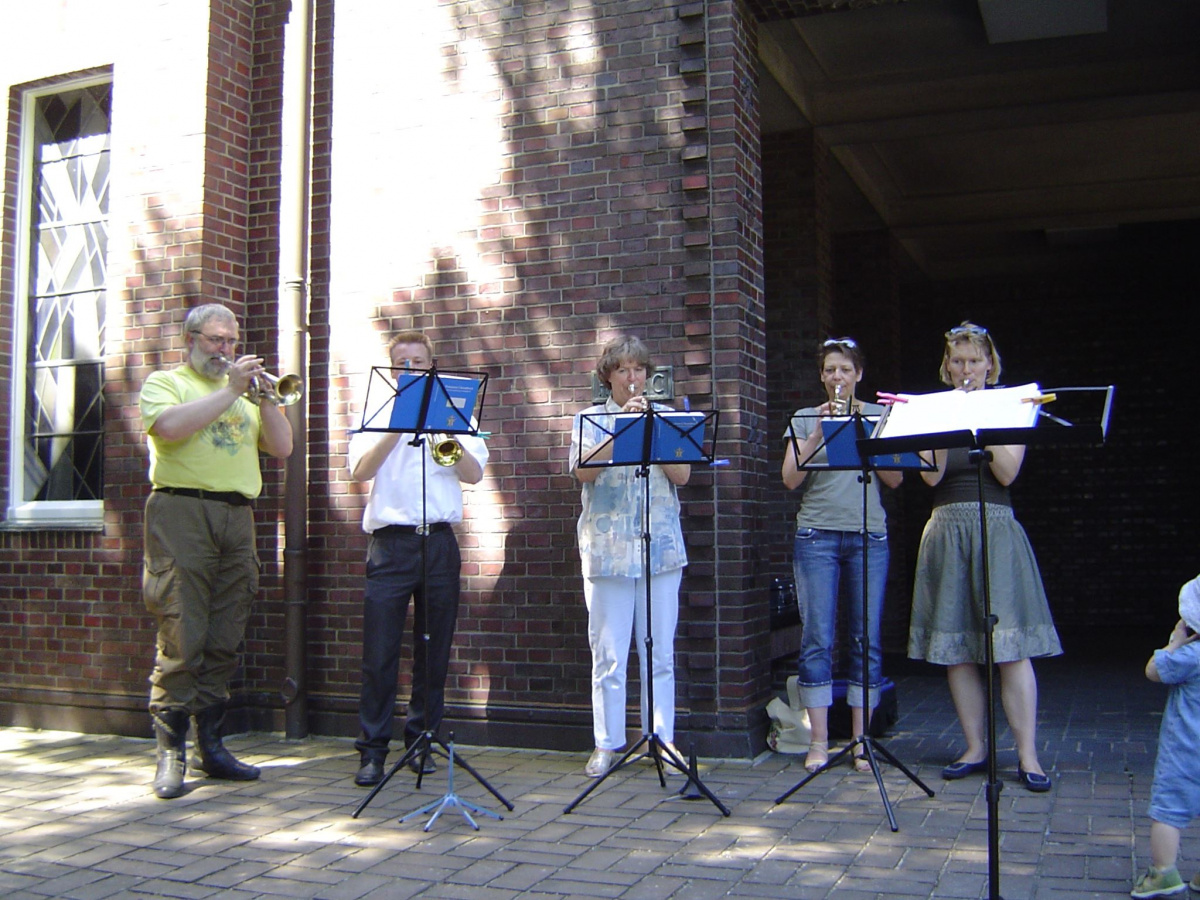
828,565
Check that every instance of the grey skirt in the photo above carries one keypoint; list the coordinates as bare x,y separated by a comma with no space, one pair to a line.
947,624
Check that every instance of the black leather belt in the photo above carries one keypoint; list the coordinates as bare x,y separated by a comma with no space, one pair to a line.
431,528
233,498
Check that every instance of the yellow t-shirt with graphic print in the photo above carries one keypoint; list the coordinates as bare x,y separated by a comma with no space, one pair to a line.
222,456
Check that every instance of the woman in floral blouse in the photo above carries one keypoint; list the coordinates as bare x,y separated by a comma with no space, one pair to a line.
610,546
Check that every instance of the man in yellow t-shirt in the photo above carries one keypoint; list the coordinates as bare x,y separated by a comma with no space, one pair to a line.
201,567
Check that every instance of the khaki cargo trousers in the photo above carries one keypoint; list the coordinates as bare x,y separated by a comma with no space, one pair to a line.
201,575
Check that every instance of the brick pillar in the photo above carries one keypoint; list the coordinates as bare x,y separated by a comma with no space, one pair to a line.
736,623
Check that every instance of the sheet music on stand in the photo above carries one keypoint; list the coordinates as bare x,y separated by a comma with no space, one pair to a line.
841,445
995,416
423,400
957,411
677,437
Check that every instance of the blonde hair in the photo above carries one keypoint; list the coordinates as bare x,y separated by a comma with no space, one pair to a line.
410,337
978,337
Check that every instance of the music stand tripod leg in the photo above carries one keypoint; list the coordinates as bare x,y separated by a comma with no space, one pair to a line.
620,763
451,752
379,787
420,750
451,799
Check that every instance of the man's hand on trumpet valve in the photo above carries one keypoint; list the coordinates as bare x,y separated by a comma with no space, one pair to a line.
243,371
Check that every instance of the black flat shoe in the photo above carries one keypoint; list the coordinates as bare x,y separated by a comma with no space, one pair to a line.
957,770
1034,781
370,773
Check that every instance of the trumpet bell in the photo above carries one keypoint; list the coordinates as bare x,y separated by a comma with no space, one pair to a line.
282,390
445,450
288,389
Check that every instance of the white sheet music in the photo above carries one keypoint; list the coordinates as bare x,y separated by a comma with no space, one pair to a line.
961,410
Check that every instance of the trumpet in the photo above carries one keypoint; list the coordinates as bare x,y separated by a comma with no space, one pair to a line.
445,450
838,405
282,390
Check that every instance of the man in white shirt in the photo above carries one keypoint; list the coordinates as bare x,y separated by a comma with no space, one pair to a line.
397,510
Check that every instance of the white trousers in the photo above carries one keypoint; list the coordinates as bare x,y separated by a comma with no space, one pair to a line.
616,606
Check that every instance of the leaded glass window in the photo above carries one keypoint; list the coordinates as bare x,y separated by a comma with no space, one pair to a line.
64,340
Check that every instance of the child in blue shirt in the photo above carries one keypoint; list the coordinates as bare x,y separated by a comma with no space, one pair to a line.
1175,793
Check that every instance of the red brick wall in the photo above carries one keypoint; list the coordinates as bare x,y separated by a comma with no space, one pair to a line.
740,608
626,202
245,90
624,195
790,259
78,642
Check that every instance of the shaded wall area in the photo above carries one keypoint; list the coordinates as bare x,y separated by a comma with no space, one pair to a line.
1114,527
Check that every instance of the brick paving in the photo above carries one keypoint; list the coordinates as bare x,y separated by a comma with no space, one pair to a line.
77,819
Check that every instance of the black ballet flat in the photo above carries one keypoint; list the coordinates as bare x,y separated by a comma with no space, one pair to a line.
1034,781
957,770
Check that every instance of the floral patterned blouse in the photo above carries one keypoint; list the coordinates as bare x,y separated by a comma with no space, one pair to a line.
610,528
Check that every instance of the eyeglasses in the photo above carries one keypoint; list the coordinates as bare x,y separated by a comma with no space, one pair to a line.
840,342
218,341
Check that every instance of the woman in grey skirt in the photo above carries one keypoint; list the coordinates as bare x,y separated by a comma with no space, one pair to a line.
948,625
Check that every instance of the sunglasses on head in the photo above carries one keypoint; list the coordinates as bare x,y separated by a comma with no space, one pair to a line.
966,331
839,342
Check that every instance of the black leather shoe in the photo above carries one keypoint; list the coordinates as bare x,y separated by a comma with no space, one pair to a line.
415,765
369,773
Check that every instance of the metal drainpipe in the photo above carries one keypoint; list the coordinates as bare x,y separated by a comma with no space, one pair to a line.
293,309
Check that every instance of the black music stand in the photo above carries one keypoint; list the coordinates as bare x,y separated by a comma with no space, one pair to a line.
840,443
419,402
645,439
903,437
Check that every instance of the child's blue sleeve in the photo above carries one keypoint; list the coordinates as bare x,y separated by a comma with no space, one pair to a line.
1178,666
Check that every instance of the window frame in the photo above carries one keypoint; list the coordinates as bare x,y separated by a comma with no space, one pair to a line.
41,515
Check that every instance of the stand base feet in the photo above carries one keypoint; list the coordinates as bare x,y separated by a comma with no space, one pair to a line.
419,753
663,755
870,747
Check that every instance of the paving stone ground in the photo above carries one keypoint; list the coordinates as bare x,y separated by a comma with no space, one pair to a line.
77,819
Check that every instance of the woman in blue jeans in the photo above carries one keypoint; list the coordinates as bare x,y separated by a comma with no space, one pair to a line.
828,556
